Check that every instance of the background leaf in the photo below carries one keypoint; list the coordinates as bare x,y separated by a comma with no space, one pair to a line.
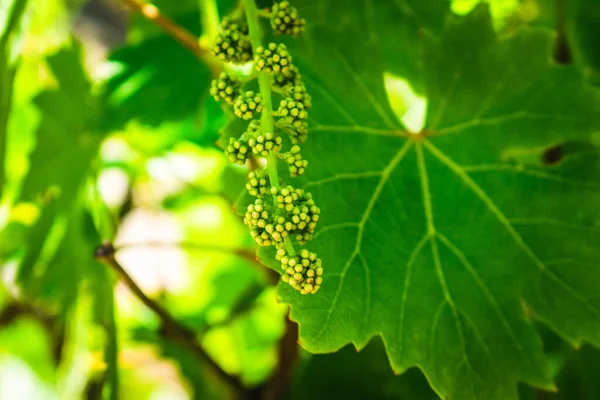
60,162
10,39
157,80
349,373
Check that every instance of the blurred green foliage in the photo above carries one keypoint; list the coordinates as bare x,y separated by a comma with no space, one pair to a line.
127,150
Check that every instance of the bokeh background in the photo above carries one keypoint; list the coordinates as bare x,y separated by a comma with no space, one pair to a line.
163,193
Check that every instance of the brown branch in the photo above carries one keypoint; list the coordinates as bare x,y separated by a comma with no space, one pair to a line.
245,254
15,309
172,328
279,384
182,35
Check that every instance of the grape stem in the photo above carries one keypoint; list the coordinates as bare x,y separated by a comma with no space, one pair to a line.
209,18
264,83
182,35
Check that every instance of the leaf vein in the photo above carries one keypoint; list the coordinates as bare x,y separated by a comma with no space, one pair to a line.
516,116
335,102
359,129
435,253
338,177
360,82
486,291
382,181
520,169
407,279
368,287
480,193
333,227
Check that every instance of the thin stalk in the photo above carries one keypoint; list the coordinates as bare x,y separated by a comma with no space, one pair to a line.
289,246
182,35
170,325
209,17
264,83
112,346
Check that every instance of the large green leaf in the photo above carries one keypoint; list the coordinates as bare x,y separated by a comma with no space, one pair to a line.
439,241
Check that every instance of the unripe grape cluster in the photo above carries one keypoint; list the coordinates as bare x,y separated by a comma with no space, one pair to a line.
285,19
289,213
294,159
273,58
293,111
232,44
258,184
281,215
288,79
226,87
247,104
304,271
237,151
299,94
262,144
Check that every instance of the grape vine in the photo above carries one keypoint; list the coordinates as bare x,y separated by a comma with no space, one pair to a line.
281,215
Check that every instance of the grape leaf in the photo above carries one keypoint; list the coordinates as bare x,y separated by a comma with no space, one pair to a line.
159,80
64,151
10,21
447,242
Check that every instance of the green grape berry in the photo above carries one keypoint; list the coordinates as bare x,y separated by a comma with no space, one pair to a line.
258,184
304,271
273,58
262,144
232,44
226,87
295,161
247,104
237,151
285,19
292,110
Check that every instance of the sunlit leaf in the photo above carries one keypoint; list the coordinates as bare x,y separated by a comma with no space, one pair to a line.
157,80
11,14
436,240
60,162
